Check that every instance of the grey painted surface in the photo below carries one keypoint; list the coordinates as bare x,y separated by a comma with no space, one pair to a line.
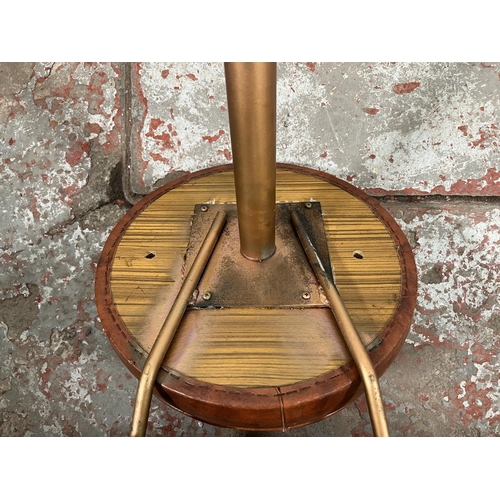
386,127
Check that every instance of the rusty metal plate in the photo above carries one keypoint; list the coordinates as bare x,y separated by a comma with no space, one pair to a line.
284,280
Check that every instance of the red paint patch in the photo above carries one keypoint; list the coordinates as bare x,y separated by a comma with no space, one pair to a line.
463,129
165,73
371,111
362,405
158,157
112,143
372,157
11,141
75,153
102,379
192,77
484,135
432,337
164,137
213,138
47,375
467,187
311,66
478,403
82,314
486,65
405,88
481,356
92,128
70,191
323,155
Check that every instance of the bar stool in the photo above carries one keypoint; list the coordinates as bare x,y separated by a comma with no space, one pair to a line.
256,295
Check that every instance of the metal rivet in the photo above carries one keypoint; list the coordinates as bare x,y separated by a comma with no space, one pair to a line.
308,204
306,295
207,296
204,208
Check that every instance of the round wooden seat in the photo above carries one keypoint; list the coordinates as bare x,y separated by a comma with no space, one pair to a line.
256,368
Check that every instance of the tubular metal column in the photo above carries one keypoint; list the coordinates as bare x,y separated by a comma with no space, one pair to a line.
251,95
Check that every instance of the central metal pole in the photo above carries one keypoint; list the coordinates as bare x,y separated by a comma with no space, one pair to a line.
251,96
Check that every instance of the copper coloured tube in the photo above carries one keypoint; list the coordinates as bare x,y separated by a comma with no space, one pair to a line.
353,341
251,97
167,332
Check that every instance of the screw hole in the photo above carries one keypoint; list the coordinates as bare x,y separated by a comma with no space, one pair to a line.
150,255
358,254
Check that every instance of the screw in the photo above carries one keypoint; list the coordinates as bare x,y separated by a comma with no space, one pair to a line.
204,208
306,295
207,296
308,204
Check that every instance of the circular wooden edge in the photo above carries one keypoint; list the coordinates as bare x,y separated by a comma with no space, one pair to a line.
265,408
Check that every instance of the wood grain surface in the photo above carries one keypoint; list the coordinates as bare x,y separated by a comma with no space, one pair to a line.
256,350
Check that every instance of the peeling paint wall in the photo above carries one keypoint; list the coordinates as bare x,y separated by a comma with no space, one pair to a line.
453,368
50,117
180,120
60,128
389,128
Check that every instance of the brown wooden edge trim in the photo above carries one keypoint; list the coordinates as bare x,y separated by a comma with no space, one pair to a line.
321,395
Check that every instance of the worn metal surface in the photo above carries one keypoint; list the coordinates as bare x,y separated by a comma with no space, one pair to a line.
251,98
163,340
281,281
408,128
349,333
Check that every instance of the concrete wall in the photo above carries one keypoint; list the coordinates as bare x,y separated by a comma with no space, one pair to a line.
79,141
389,128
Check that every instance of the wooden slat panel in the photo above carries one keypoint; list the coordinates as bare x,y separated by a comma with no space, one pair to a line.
244,347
